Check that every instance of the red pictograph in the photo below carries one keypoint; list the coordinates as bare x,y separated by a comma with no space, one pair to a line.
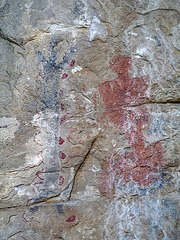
25,219
61,141
65,75
63,119
62,107
34,138
38,183
123,99
61,180
72,63
71,218
62,155
24,213
38,172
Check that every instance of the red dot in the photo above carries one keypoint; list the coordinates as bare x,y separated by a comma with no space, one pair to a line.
71,218
65,75
72,63
63,119
62,155
61,141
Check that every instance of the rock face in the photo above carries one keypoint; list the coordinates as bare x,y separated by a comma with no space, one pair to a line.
89,103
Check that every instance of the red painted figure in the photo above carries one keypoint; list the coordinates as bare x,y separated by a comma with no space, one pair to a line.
62,155
65,75
61,140
38,172
72,63
123,99
61,180
63,119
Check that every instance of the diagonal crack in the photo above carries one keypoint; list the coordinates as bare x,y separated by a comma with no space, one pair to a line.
11,40
14,234
80,165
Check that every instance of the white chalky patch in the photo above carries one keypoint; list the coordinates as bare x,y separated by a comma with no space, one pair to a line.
44,140
76,69
97,28
8,126
141,51
22,190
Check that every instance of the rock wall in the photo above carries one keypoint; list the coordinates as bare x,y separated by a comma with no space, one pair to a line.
89,103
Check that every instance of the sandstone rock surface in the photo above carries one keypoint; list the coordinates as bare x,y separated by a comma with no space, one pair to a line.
89,120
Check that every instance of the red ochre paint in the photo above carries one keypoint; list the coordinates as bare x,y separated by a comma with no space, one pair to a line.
71,218
38,172
62,155
65,75
72,63
34,138
121,96
29,200
62,107
63,119
37,183
38,155
28,221
61,141
23,215
61,180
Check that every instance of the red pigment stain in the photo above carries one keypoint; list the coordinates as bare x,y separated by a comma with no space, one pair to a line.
61,93
71,218
23,215
38,155
38,115
62,107
34,138
95,98
29,201
65,75
121,96
38,172
61,180
28,221
69,137
62,155
63,119
61,141
72,63
37,183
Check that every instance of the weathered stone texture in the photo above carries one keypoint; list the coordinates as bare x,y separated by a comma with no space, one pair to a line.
89,119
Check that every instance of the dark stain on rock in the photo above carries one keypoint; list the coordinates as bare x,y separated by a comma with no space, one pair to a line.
166,175
157,41
59,209
39,5
48,88
51,73
78,8
156,231
34,209
45,195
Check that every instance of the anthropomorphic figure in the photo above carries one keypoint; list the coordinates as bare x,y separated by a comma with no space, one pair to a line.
124,99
